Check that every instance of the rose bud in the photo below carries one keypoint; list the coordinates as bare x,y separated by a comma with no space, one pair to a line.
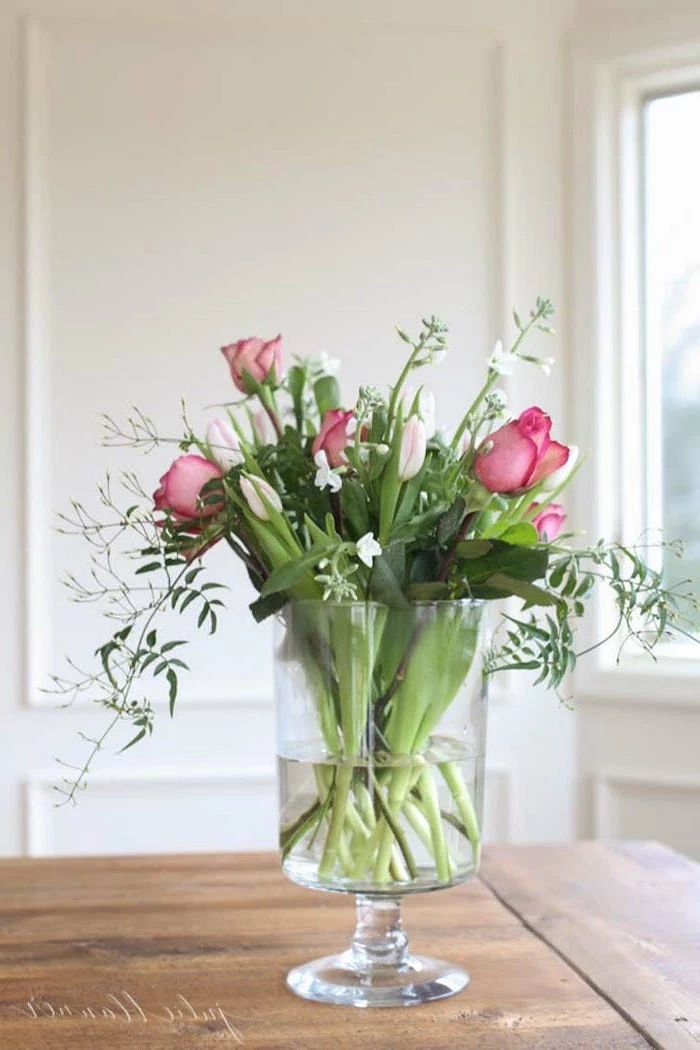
256,360
263,428
520,454
255,490
560,476
223,444
180,488
413,443
334,436
549,522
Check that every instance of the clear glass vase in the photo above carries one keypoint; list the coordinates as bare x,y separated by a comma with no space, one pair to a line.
381,716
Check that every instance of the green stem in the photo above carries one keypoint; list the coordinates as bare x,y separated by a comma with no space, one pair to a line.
331,848
465,807
289,836
431,807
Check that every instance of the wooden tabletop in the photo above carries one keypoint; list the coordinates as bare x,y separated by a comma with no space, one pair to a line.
594,946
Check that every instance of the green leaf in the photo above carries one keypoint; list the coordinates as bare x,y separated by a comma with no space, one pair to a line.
469,549
521,535
387,577
171,645
261,608
296,381
449,523
172,690
355,507
520,563
150,566
293,571
501,586
139,736
151,639
327,394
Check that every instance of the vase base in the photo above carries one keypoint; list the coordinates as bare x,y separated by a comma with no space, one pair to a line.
335,980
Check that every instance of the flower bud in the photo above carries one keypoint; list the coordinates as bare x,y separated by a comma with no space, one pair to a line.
558,477
263,428
255,490
254,361
413,447
223,444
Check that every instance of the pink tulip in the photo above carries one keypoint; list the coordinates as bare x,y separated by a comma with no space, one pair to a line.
549,522
223,444
254,359
264,428
180,487
413,445
520,454
255,490
333,437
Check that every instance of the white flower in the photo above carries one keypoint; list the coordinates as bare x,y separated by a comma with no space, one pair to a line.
259,494
263,427
329,365
426,407
545,364
438,357
368,549
501,360
224,445
324,475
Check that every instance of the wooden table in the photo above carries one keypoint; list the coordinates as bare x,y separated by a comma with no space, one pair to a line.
594,946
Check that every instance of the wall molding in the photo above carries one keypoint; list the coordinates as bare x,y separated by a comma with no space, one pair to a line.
38,792
609,784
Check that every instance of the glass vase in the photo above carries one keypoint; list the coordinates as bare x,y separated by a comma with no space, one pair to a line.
381,727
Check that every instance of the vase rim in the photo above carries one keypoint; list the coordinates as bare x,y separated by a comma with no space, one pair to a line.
423,602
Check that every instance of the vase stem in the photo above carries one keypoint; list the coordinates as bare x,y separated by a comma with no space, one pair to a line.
379,940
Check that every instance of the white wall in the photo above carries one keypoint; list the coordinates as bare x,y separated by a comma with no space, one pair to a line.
178,175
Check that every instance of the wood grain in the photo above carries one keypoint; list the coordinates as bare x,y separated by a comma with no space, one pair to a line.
153,945
625,915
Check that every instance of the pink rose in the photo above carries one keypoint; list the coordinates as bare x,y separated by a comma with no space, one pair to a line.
180,487
412,451
333,437
256,359
520,454
549,521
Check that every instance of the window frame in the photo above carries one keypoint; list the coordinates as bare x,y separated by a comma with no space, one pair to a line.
613,79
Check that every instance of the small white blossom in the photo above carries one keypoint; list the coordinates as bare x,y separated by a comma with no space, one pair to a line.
329,365
545,364
325,477
501,360
368,549
438,356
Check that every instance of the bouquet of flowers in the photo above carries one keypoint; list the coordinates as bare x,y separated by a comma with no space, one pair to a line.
378,541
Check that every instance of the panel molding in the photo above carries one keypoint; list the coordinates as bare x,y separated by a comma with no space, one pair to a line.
608,785
39,787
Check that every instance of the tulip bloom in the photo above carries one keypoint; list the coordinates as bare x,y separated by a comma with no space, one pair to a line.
520,454
334,436
254,359
413,446
223,444
549,522
180,487
256,490
263,428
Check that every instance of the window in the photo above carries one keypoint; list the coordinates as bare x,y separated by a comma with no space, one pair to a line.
671,323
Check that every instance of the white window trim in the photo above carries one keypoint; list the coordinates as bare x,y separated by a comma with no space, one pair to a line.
612,77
